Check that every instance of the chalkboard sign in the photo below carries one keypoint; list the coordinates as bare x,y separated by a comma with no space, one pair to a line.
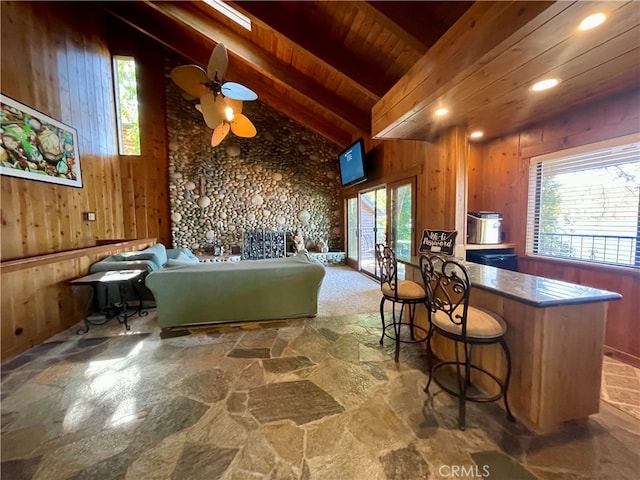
438,241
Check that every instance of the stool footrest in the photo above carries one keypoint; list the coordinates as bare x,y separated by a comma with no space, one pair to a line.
392,335
471,398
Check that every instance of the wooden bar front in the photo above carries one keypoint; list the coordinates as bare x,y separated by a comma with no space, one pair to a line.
556,356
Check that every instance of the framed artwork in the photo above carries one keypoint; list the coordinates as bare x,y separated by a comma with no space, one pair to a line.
438,241
36,146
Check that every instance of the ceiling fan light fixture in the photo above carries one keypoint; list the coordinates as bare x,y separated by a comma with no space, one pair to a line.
220,101
592,21
545,84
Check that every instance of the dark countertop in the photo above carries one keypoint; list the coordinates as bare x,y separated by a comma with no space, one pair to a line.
529,289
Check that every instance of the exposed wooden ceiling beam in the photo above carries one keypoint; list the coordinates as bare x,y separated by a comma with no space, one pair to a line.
371,10
267,65
197,48
369,80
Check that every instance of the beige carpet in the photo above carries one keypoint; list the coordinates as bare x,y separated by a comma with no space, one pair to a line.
346,291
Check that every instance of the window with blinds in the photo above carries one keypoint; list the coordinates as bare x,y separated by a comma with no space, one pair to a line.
584,203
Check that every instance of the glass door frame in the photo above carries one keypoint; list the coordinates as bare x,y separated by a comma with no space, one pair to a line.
378,235
389,233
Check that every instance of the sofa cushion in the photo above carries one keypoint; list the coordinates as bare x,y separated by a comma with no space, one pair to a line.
180,261
159,251
172,253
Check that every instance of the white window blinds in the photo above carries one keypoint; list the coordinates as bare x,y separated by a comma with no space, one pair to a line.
584,203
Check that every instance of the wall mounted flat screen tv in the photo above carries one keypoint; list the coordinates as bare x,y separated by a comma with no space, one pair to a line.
352,164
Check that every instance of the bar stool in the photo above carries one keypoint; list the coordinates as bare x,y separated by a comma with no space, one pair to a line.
403,292
448,289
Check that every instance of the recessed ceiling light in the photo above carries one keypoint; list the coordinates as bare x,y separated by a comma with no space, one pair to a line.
592,21
544,84
441,112
476,134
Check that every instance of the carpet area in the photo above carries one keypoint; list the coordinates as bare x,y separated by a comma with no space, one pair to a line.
346,291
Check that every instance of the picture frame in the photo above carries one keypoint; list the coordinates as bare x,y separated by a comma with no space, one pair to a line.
35,146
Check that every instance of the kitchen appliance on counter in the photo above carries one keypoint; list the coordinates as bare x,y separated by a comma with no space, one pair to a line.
483,227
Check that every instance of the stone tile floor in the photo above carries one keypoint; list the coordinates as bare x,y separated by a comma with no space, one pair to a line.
300,399
621,386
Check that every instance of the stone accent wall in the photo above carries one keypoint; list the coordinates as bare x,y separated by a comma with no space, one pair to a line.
285,178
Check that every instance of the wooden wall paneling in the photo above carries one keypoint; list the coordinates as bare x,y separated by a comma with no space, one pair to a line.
37,301
444,183
498,185
622,322
503,177
63,57
11,236
145,180
128,197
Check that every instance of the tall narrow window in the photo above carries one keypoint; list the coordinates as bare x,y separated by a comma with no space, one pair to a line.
126,87
583,203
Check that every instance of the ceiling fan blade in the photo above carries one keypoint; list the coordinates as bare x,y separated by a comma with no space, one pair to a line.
218,62
190,78
199,107
238,92
219,133
242,126
236,105
212,109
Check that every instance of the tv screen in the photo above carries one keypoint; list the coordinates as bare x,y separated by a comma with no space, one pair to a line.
352,164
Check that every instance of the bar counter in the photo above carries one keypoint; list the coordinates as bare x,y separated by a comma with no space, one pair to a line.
555,332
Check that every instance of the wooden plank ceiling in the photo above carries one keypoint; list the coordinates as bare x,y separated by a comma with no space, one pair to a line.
327,65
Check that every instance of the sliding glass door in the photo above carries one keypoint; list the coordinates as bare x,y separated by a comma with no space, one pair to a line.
383,215
401,218
352,232
372,207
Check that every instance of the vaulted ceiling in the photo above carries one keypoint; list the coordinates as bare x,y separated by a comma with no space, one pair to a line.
328,64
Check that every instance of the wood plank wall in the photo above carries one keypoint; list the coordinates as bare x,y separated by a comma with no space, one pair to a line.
56,58
36,299
440,171
498,179
145,179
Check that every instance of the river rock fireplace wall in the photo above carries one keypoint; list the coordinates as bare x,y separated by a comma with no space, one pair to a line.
285,178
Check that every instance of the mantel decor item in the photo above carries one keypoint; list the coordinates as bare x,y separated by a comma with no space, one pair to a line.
36,146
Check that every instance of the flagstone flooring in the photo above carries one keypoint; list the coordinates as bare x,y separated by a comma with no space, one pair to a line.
302,399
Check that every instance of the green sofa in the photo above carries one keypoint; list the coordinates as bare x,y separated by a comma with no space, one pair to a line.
229,292
150,259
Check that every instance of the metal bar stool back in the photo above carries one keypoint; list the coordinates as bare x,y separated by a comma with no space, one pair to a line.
402,292
448,289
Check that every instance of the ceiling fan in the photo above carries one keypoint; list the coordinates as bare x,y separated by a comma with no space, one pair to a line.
220,101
